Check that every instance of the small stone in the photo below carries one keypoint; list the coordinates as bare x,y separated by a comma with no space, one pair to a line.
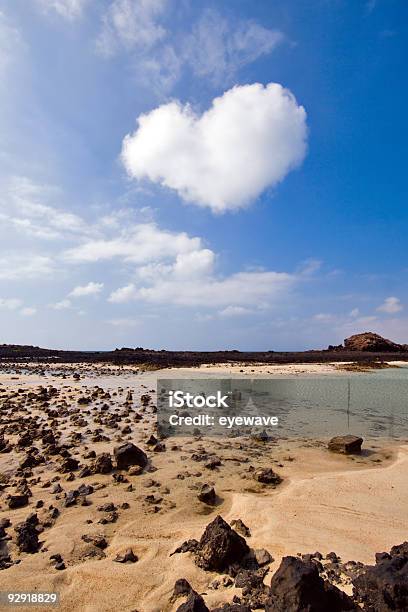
128,557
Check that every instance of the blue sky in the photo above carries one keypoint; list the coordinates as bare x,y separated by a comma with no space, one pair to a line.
202,175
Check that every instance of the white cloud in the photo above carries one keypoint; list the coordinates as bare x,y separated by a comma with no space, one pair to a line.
90,289
209,290
68,9
234,311
10,43
10,303
130,24
24,206
140,243
28,266
62,305
391,305
354,312
249,139
217,47
28,311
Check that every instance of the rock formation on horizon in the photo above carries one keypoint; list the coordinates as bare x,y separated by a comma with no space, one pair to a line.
370,342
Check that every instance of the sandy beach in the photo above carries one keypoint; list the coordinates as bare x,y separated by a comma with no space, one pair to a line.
352,505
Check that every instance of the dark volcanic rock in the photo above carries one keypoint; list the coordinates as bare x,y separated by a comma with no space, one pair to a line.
97,540
128,557
207,495
181,587
68,465
297,587
384,586
128,454
194,603
102,464
17,501
267,476
220,547
27,537
187,546
348,445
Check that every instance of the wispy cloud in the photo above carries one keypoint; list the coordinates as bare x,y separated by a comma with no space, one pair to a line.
131,24
67,9
10,303
391,305
16,267
214,48
11,43
218,47
25,205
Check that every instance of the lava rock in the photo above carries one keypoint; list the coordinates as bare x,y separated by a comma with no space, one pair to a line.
128,454
207,495
17,501
194,603
97,540
103,464
384,587
128,557
297,587
348,445
267,476
220,547
27,537
263,557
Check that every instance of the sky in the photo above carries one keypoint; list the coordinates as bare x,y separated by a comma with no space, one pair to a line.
203,174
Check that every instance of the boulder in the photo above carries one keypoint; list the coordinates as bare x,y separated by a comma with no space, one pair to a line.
348,445
207,495
68,464
128,454
220,547
297,587
17,501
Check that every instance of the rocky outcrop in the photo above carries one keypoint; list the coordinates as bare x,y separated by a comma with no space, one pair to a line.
347,445
384,586
297,587
371,342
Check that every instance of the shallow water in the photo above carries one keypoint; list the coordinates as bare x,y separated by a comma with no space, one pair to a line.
372,405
